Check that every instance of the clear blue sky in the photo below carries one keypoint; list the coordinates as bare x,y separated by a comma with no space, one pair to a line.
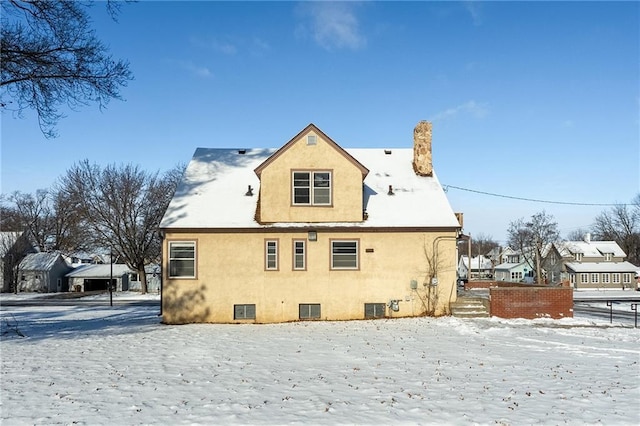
538,100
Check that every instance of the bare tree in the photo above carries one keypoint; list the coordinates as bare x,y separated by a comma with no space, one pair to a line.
482,244
577,234
621,224
532,237
50,56
48,220
122,206
9,218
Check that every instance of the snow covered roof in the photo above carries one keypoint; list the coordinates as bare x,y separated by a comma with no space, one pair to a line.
591,248
478,262
39,261
99,271
212,192
602,267
507,266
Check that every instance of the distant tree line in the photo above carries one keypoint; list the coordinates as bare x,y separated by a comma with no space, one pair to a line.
93,208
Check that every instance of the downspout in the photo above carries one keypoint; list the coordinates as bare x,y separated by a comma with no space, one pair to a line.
435,255
161,268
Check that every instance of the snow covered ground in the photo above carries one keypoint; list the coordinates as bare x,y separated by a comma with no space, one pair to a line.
118,365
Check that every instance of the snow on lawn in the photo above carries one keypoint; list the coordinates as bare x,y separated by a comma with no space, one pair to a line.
101,365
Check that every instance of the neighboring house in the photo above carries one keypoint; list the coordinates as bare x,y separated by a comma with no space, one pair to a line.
96,277
14,246
309,231
43,272
481,268
154,278
82,258
515,272
594,264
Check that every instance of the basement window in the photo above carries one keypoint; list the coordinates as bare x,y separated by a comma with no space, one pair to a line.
241,312
374,310
309,311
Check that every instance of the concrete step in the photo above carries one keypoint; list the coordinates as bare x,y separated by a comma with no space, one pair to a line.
470,307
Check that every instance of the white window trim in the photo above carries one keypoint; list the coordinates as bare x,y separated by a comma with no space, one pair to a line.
357,253
303,255
268,256
311,187
616,278
194,259
595,278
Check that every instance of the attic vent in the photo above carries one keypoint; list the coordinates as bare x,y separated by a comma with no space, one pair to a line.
311,139
242,151
387,151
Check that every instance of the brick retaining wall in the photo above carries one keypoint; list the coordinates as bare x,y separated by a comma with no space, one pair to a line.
531,302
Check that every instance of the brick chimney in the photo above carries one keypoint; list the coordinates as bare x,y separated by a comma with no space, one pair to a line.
422,160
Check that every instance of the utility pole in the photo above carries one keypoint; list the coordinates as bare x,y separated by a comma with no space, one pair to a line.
111,278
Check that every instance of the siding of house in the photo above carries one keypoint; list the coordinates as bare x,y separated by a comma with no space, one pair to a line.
275,184
408,219
230,271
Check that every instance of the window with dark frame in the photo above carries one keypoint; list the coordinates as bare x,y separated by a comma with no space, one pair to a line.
309,311
182,259
244,312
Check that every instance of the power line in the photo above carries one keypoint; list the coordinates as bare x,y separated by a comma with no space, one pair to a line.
566,203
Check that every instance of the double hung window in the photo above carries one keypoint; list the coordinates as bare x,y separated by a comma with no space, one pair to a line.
312,188
271,255
182,259
299,255
344,254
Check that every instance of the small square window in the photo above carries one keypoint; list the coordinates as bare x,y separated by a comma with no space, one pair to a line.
374,310
244,312
309,311
311,139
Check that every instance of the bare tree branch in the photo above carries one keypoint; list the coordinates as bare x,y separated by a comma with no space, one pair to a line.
50,57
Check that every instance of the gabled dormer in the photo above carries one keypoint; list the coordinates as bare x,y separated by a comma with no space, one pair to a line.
310,179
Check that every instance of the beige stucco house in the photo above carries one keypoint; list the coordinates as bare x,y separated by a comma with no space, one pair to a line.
309,231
